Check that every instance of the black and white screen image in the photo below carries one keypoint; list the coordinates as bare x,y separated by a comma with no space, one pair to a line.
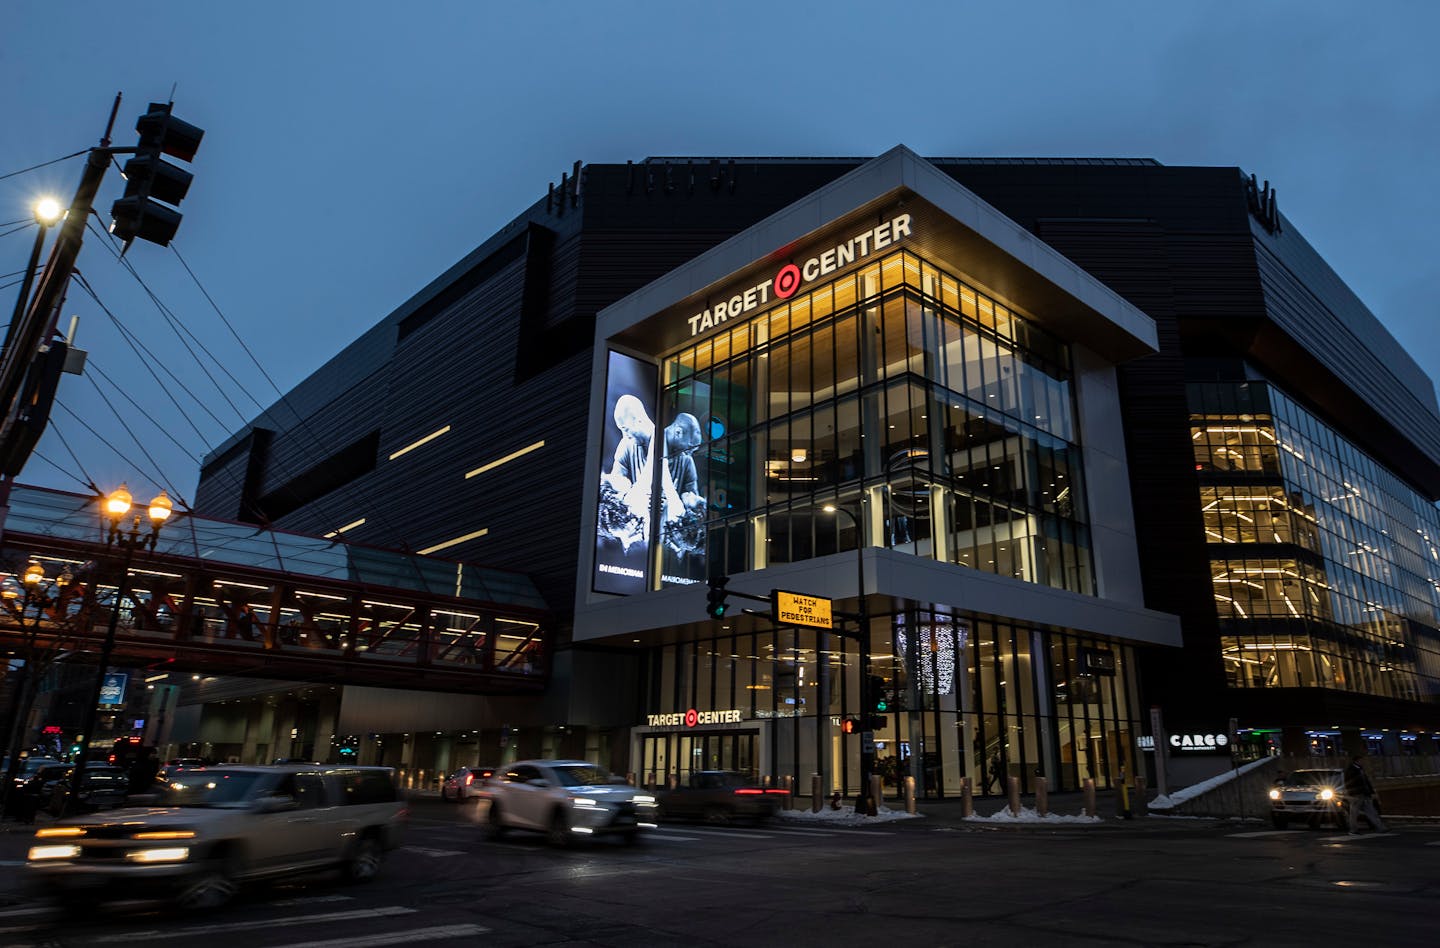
628,455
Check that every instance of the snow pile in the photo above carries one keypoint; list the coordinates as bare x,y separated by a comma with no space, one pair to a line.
1170,801
846,815
1028,815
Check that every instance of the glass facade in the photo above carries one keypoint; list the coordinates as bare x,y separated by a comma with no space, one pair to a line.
966,697
1325,565
898,389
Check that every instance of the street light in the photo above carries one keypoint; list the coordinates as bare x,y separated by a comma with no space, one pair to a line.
47,211
30,603
867,803
115,507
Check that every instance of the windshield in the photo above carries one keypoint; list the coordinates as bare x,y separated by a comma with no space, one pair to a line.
582,775
232,788
1311,778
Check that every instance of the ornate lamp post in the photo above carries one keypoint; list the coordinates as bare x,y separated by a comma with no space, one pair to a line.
30,602
115,507
867,803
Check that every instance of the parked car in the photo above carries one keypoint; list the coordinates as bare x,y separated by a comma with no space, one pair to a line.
216,828
720,796
463,783
28,766
32,790
1316,796
101,788
566,800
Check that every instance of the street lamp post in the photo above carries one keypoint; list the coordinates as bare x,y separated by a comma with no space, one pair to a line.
866,802
34,600
47,212
115,507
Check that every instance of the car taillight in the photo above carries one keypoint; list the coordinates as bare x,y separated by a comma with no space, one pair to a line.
782,793
748,791
469,779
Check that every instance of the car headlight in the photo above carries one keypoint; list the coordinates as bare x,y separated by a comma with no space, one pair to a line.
644,799
1327,794
172,854
59,832
1274,794
584,801
38,853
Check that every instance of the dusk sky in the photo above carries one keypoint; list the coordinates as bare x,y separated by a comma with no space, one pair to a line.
354,151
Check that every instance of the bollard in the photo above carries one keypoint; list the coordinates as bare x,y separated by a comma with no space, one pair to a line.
877,794
787,783
910,795
1014,796
765,781
1042,796
1122,790
1140,807
967,799
672,782
1089,796
630,778
815,794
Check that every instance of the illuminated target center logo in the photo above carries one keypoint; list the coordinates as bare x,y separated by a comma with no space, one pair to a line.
787,281
692,717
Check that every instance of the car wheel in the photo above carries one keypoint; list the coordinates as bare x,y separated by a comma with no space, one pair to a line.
363,864
718,815
559,832
1279,821
494,828
444,797
213,887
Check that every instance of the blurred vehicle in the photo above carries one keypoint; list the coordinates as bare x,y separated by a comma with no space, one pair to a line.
101,788
462,784
216,828
31,791
1316,796
566,800
720,796
28,766
177,764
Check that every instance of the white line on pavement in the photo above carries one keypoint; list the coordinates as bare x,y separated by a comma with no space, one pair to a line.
17,912
1359,836
439,933
707,831
382,912
433,853
1262,834
668,838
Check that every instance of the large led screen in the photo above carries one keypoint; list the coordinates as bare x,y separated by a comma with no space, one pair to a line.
627,472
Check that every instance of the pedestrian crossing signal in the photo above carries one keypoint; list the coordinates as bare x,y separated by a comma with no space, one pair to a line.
849,726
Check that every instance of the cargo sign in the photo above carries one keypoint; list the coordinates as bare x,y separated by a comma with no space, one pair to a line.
791,608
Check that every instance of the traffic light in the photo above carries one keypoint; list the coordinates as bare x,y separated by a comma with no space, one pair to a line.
715,604
876,722
879,701
149,179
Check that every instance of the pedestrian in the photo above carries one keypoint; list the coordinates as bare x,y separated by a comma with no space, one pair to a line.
1360,797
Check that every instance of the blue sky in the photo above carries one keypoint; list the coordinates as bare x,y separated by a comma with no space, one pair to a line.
354,151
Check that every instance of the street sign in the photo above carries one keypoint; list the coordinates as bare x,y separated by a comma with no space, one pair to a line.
112,689
867,742
790,608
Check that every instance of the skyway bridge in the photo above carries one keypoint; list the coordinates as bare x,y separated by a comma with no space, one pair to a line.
224,598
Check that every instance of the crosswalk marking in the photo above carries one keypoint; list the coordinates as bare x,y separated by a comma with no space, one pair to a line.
383,911
1263,833
1346,836
438,933
432,853
707,831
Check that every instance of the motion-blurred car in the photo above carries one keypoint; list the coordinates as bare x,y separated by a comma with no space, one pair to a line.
566,800
28,766
463,783
720,796
101,788
216,828
1316,796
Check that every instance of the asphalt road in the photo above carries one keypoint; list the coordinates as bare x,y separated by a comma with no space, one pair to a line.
934,881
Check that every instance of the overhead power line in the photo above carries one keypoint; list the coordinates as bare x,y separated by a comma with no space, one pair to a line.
43,164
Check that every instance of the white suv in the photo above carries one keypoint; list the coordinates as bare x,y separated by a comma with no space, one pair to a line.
213,828
566,800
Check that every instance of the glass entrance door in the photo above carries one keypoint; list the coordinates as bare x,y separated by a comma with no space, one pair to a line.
677,756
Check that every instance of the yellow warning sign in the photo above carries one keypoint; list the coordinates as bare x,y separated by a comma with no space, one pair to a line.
791,608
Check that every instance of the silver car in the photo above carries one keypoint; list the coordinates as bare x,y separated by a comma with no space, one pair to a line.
215,828
567,800
1316,796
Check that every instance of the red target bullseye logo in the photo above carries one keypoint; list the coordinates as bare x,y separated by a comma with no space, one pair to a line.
692,717
787,281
